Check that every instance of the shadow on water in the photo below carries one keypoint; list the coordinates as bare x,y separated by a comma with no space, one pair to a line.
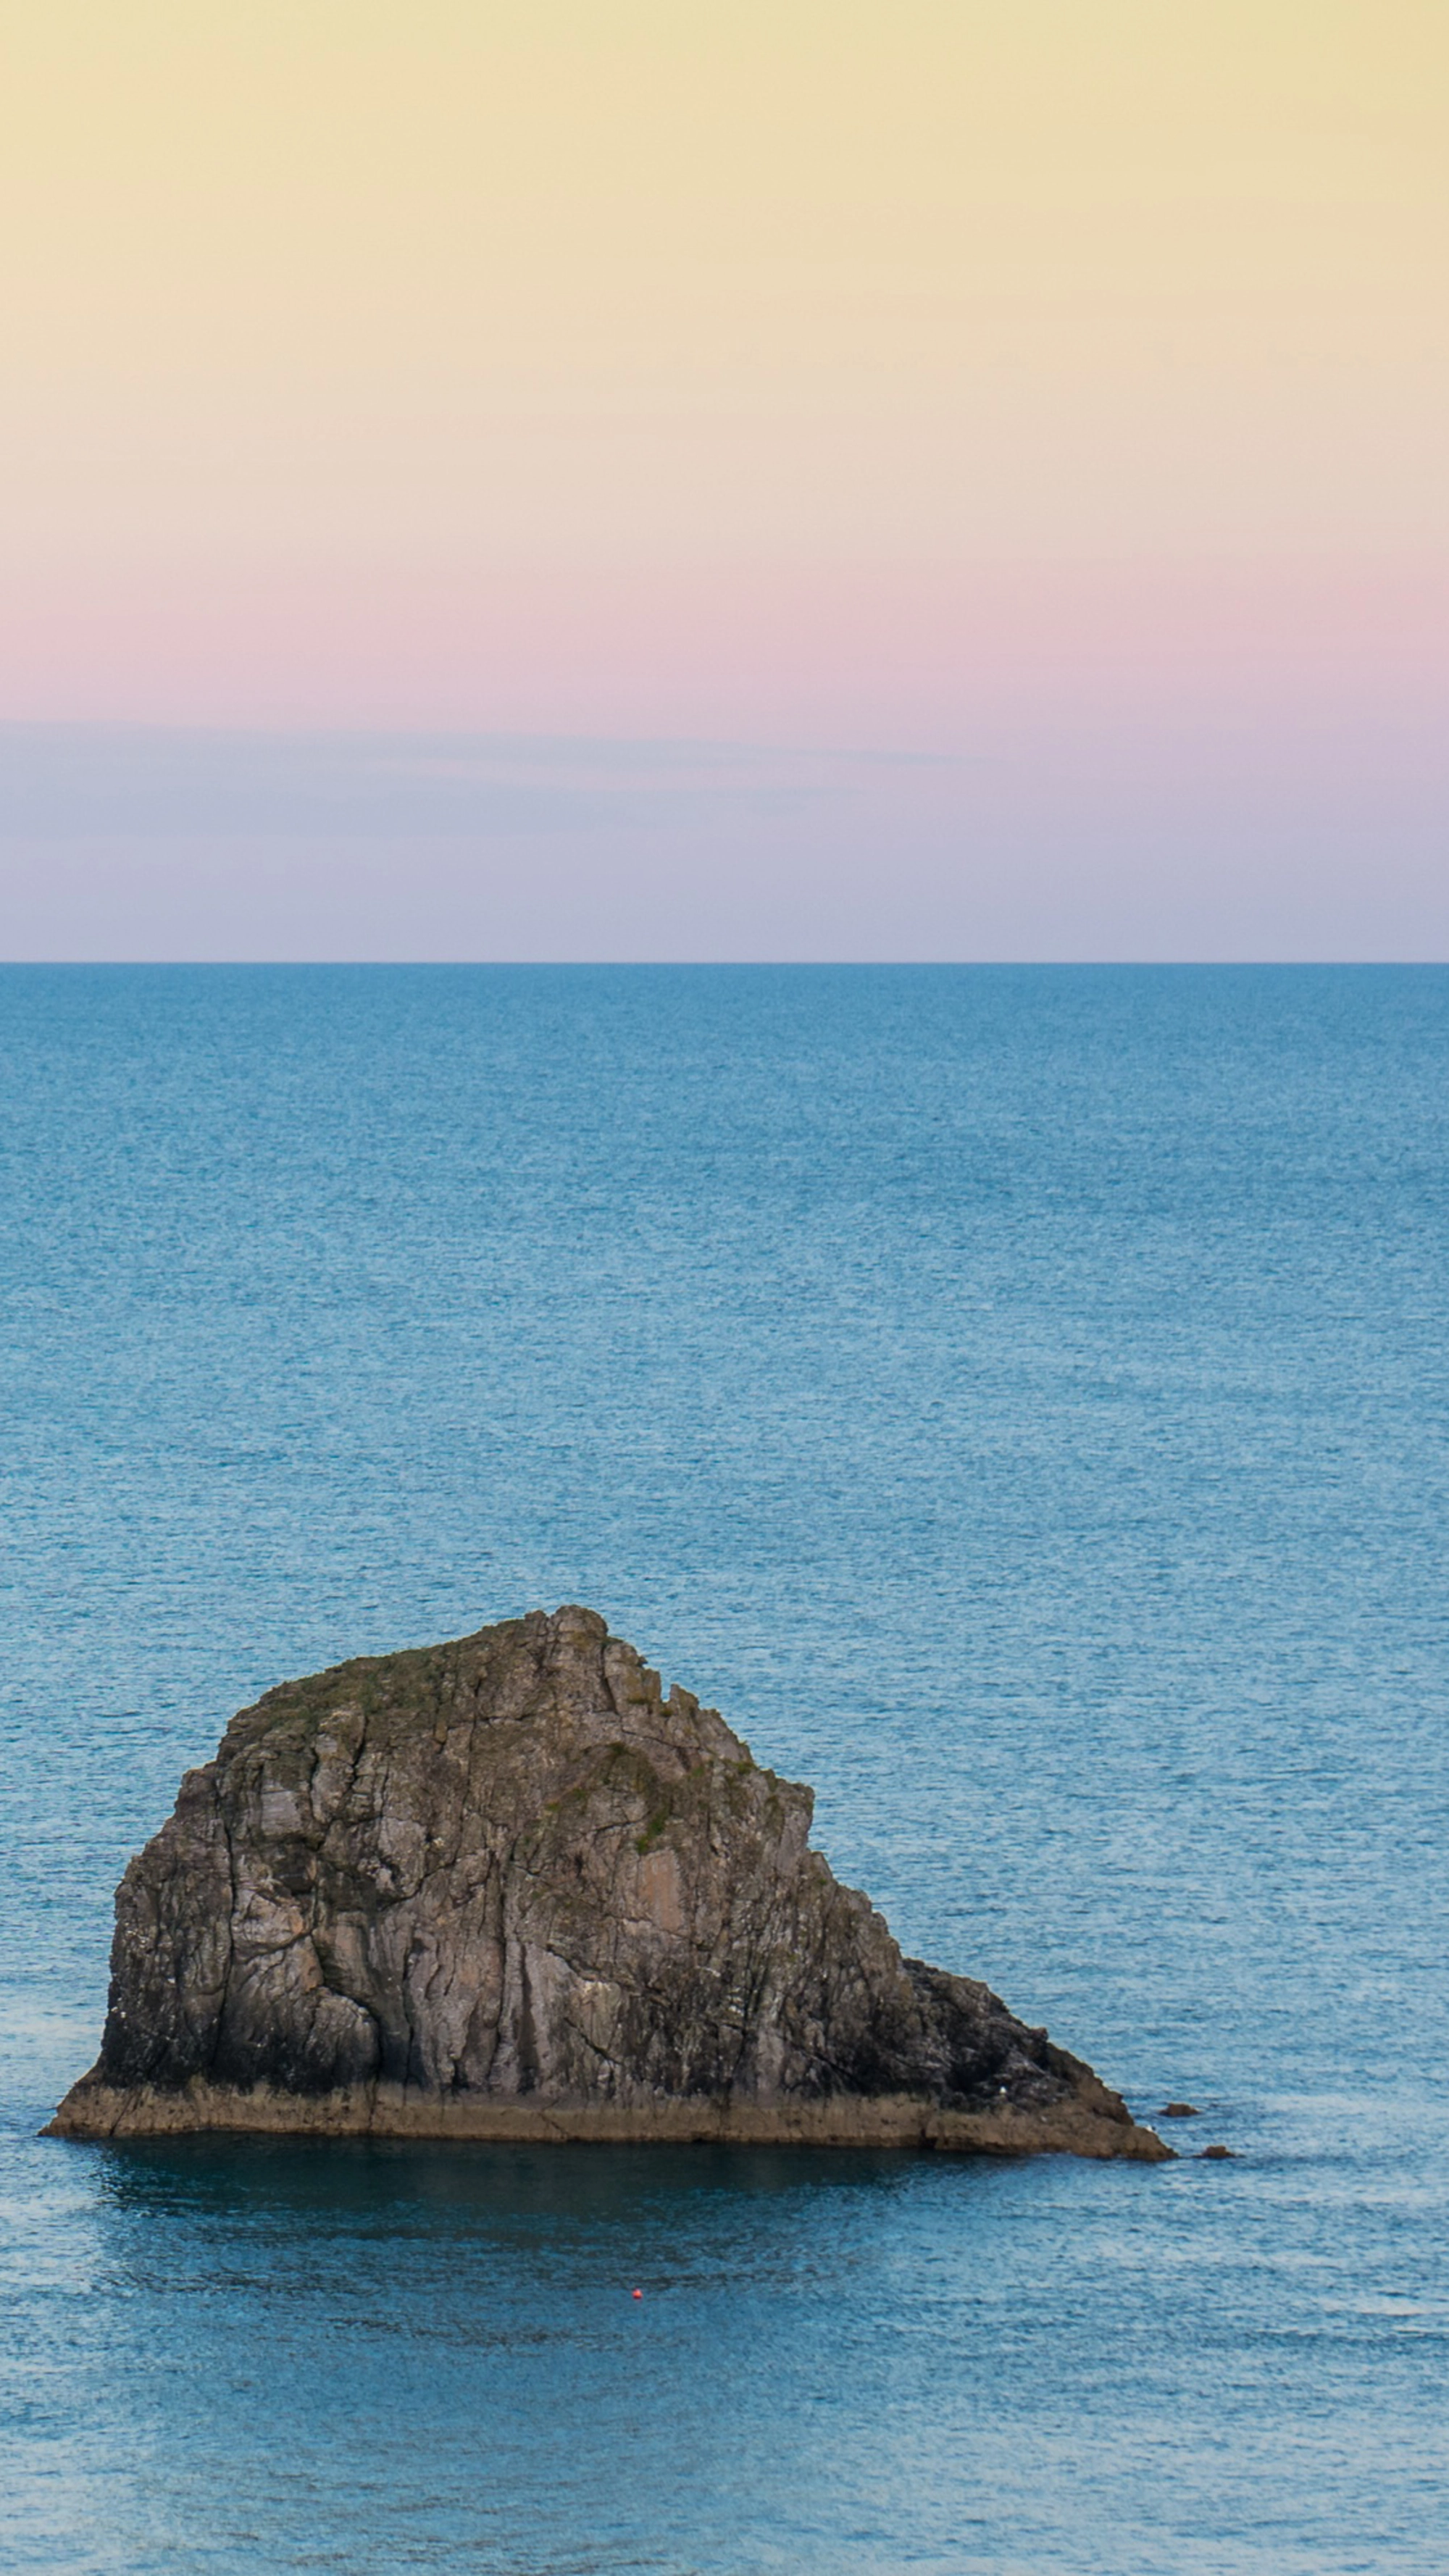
359,2184
506,2223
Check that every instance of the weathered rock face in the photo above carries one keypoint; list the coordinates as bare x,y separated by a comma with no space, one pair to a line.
502,1888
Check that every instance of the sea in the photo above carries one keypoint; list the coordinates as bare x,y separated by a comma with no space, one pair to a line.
1017,1398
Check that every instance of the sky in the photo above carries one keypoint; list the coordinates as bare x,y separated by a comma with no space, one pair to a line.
602,477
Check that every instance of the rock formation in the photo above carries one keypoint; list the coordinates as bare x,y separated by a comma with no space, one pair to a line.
503,1888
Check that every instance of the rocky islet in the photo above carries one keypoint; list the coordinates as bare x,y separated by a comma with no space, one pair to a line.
506,1888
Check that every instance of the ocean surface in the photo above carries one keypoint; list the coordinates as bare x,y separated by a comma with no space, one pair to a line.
1018,1400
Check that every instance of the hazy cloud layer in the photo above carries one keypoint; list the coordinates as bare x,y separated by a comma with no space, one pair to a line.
147,843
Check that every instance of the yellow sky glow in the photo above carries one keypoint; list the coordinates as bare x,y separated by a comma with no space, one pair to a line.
589,288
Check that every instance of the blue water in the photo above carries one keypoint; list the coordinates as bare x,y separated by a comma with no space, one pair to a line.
1018,1399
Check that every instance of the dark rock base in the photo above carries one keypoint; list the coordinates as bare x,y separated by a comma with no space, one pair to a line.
1074,2127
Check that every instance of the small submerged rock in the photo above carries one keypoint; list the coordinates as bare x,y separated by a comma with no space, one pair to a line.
1178,2111
504,1888
1215,2155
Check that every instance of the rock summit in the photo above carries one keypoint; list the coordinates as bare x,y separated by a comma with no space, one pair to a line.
504,1888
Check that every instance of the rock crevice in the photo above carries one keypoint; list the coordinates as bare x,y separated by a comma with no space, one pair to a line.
505,1888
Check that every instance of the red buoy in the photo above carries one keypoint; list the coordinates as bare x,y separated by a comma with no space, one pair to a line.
638,2294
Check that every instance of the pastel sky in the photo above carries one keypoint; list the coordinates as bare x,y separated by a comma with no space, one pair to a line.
1054,390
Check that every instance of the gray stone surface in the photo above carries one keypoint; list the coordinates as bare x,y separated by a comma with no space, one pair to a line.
503,1887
